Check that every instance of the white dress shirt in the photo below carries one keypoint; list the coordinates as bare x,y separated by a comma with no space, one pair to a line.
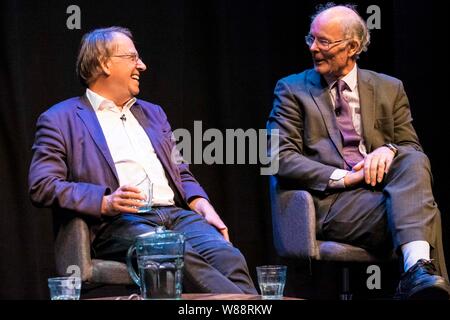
131,148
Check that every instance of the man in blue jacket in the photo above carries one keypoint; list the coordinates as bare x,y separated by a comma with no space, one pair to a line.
88,149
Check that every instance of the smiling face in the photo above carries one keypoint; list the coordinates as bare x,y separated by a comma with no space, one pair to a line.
339,59
120,81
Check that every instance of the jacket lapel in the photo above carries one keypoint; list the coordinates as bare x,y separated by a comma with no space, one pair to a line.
367,103
87,114
162,149
319,92
155,134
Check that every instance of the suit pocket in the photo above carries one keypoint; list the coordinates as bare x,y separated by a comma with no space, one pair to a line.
385,126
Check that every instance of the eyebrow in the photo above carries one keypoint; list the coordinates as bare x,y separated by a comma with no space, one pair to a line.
318,37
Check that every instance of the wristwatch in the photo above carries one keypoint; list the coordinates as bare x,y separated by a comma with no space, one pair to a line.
392,147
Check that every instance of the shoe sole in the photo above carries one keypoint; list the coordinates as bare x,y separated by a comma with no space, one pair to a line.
439,291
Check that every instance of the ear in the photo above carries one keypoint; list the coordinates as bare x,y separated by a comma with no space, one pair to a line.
353,48
105,65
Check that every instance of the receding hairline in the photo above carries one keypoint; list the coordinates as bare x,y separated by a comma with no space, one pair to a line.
337,14
118,33
114,37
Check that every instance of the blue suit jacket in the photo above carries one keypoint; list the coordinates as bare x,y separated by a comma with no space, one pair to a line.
72,168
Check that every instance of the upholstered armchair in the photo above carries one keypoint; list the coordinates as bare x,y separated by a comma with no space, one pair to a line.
294,233
72,248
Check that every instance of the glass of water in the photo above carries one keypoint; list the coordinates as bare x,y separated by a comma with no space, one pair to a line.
64,288
146,188
271,279
134,174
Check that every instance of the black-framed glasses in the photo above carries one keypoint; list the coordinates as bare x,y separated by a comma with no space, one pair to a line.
322,44
131,56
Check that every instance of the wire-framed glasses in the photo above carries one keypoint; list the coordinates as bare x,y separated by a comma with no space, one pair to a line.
322,44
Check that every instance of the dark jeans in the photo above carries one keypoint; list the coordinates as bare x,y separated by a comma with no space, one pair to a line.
211,264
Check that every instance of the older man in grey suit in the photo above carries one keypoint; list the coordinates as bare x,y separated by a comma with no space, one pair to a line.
346,136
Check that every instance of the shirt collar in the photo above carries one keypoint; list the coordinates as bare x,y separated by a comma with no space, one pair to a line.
100,103
351,79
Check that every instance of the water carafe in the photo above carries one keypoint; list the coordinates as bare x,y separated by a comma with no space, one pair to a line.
160,263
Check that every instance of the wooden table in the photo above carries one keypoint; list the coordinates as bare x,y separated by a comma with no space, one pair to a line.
201,296
225,296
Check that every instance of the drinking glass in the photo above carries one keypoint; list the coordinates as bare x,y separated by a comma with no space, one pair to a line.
271,279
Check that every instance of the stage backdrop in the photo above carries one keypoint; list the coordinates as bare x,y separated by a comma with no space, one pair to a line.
214,61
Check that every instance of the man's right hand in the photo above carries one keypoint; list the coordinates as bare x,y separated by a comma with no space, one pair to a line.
353,177
124,199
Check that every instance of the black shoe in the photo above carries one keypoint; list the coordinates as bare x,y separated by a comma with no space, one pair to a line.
421,282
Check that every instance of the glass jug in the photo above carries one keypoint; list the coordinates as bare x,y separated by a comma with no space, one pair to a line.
160,263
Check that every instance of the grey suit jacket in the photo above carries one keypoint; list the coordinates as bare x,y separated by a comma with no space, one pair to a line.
310,146
72,168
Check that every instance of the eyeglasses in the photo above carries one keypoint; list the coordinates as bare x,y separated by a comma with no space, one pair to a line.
132,56
322,44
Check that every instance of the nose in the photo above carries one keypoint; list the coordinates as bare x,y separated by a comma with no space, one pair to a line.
141,65
313,47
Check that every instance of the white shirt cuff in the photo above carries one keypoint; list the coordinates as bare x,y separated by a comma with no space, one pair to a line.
337,179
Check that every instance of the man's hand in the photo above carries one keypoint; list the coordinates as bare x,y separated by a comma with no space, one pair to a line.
354,177
124,199
376,164
203,207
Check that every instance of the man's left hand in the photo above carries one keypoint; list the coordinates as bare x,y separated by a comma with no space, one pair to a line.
376,164
203,207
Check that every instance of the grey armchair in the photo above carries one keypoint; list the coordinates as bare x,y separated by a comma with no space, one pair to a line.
294,233
72,247
294,229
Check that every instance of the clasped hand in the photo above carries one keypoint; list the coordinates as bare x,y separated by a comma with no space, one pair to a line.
371,169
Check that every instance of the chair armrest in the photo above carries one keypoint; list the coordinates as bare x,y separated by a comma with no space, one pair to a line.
111,272
72,247
294,222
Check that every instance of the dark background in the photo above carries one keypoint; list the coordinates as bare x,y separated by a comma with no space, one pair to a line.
215,61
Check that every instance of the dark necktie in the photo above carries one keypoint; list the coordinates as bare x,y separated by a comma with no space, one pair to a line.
350,137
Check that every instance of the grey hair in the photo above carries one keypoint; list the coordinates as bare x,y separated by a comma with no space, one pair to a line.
95,48
355,29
